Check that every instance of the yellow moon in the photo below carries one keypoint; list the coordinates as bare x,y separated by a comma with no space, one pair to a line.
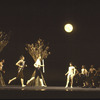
68,28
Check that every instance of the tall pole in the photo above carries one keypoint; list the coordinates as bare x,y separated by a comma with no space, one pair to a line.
43,65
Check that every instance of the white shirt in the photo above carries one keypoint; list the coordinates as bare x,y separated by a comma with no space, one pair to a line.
71,70
84,71
37,63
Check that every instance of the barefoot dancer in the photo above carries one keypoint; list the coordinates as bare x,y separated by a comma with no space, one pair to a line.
70,75
21,65
92,74
37,71
84,76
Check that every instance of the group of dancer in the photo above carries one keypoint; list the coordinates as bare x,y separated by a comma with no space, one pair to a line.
21,64
84,78
73,76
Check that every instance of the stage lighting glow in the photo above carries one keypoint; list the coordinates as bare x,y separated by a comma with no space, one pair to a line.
68,28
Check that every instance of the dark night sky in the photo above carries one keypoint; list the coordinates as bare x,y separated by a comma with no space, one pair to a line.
33,19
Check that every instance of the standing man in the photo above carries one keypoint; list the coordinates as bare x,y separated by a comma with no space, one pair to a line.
92,74
70,75
84,76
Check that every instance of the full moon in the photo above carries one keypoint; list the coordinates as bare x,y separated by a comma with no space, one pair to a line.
68,28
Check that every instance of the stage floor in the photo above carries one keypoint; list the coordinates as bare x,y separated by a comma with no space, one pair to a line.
49,92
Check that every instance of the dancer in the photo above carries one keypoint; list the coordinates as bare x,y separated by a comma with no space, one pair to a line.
84,76
21,64
2,83
70,75
92,74
37,71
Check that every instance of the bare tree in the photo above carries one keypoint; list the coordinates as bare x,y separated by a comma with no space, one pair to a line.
38,49
3,40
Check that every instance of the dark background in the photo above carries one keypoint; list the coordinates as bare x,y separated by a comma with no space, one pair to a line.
29,20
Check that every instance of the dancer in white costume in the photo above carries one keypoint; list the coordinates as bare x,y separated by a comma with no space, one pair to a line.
70,75
37,71
84,75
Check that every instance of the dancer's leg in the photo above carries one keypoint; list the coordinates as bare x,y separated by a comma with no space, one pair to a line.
22,82
67,81
41,81
32,78
72,81
11,80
